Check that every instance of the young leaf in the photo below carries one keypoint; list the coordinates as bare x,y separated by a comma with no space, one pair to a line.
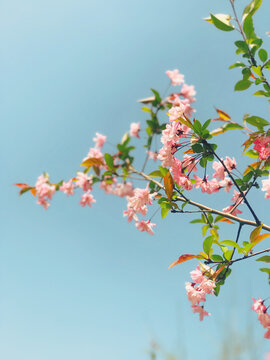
181,259
155,173
263,55
207,244
251,8
92,162
109,160
221,23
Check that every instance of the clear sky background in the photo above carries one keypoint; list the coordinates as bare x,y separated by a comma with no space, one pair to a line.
81,283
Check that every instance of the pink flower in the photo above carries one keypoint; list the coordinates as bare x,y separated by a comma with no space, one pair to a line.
196,275
264,319
166,156
124,189
228,209
176,112
203,184
141,198
145,226
67,188
230,163
207,286
135,129
44,190
237,197
94,153
87,199
266,187
258,305
267,336
179,176
107,187
175,77
170,134
189,163
261,145
200,310
130,213
195,295
219,174
227,184
152,155
84,181
99,140
188,91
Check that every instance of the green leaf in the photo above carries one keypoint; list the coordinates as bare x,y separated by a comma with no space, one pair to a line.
251,8
155,173
263,55
203,162
158,99
207,244
146,109
242,45
221,24
257,121
230,243
228,254
252,153
248,28
204,229
242,85
196,221
216,258
237,64
164,212
257,70
197,148
261,93
265,258
109,160
163,171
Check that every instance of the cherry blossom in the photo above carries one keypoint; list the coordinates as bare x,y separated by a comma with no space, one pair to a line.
266,187
175,77
199,309
145,226
220,173
188,91
229,208
67,187
261,145
87,199
99,140
84,181
135,129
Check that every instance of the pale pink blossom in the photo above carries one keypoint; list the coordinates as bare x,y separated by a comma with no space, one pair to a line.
145,226
175,77
99,140
170,134
141,198
219,174
135,129
176,112
189,163
208,286
196,275
264,318
67,187
84,181
107,187
166,156
123,189
44,190
237,197
188,91
228,209
261,145
266,187
230,163
152,155
195,295
87,199
267,336
199,309
94,153
179,176
130,213
204,184
258,305
188,109
226,184
215,185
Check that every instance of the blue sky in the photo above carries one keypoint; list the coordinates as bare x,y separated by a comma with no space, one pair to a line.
80,282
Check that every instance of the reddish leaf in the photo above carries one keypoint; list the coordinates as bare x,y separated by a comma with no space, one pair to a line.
168,184
222,115
218,272
225,220
92,162
182,258
22,185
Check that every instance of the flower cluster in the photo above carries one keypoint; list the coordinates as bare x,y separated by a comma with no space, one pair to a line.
197,290
137,205
44,191
263,317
